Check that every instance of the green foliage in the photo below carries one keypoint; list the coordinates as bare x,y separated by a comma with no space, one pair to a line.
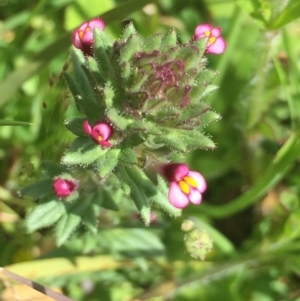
251,207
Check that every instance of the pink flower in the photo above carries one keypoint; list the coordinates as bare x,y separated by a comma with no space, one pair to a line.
64,187
83,36
185,186
216,44
100,132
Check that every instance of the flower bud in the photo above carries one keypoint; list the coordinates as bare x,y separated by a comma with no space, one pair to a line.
198,243
83,36
64,187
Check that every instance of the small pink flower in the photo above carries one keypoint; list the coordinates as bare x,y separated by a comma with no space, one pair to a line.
100,132
83,36
185,186
216,44
64,187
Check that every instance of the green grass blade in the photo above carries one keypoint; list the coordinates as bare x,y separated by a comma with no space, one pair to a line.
283,161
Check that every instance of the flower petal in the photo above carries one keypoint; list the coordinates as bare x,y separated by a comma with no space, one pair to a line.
216,32
76,39
217,47
201,183
96,23
87,128
195,196
88,38
176,197
201,29
102,129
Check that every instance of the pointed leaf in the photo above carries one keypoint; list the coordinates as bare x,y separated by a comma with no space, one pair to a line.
69,222
52,169
44,215
107,162
137,194
75,126
83,151
38,190
102,48
128,31
170,40
121,122
108,201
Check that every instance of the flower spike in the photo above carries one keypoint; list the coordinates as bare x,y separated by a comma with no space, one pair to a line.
185,185
216,44
83,36
100,132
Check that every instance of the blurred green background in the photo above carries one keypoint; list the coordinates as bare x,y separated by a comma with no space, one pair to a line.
251,208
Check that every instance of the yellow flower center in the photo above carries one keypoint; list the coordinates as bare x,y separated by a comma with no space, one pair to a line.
184,187
81,32
190,181
185,184
207,33
100,138
211,40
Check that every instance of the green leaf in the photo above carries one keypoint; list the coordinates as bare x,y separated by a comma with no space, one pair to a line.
141,179
88,101
109,94
192,111
137,194
75,126
153,42
130,240
128,155
52,169
90,217
109,201
128,31
91,214
65,227
38,190
289,14
132,46
282,163
161,198
69,222
44,215
185,140
169,40
14,123
107,162
74,90
102,46
119,121
209,117
83,151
